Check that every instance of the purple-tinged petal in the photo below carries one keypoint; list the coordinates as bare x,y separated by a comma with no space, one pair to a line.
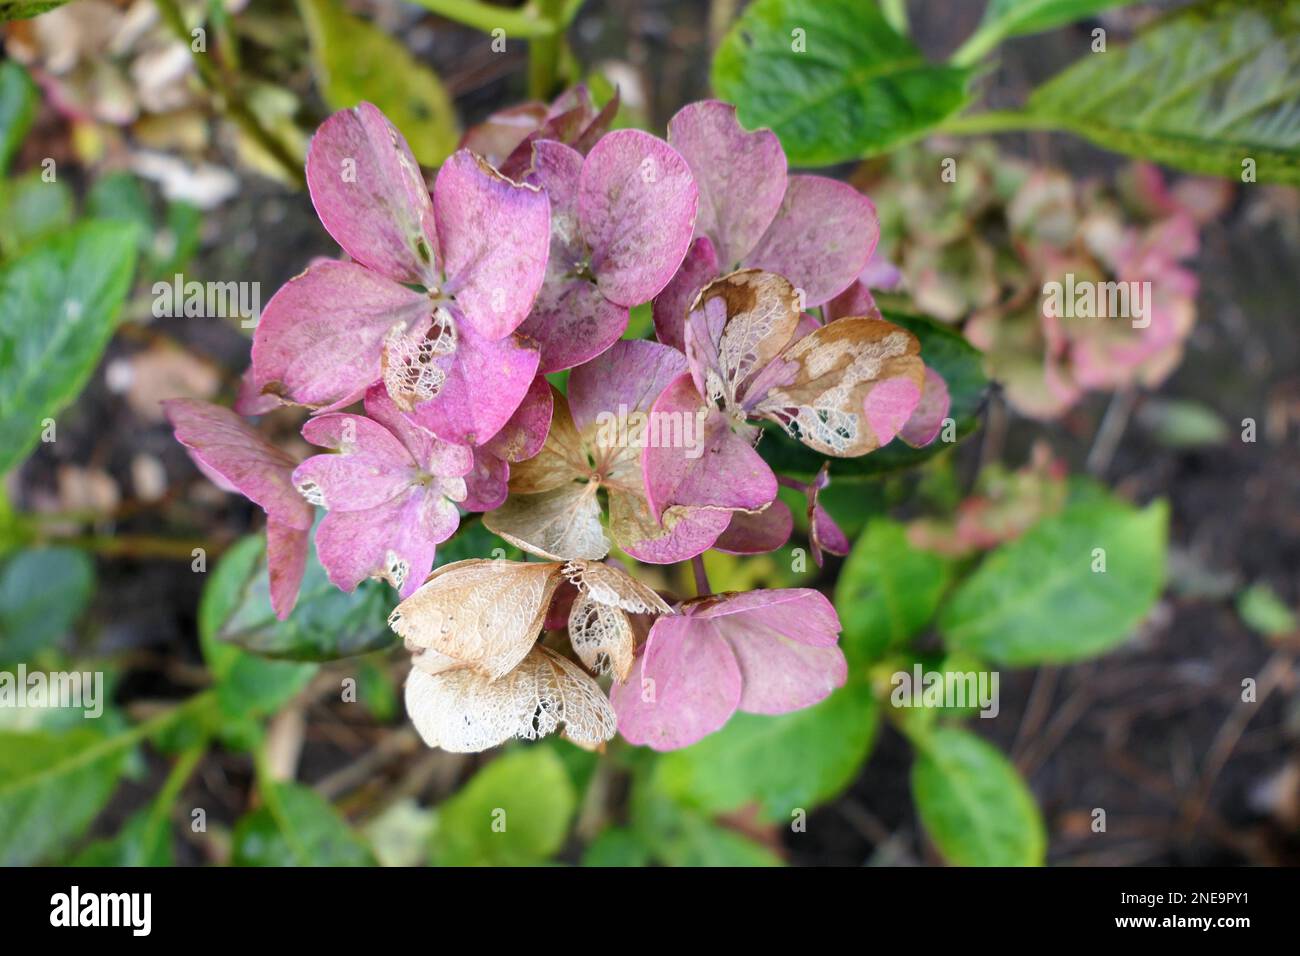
371,196
320,340
757,533
821,238
679,535
636,207
251,400
880,273
371,467
485,383
889,406
488,483
286,560
430,453
494,235
719,469
741,176
572,322
525,433
683,687
927,420
630,376
229,447
395,541
497,136
805,613
698,269
823,533
856,300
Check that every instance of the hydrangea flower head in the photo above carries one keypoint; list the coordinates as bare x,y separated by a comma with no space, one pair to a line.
477,252
390,491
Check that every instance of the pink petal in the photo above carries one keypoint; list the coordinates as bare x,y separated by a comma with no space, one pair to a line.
636,207
693,530
726,472
396,540
880,273
525,433
486,381
488,483
497,136
855,300
371,467
630,376
690,677
371,196
227,445
572,322
926,421
321,337
889,405
250,400
803,614
741,176
429,452
823,533
779,674
494,235
698,269
757,533
821,238
286,560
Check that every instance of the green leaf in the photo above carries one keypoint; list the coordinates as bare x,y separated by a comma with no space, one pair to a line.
1011,18
1261,608
617,846
52,785
297,827
17,109
973,802
784,763
832,79
355,61
25,9
247,685
144,840
32,209
513,812
888,591
42,593
944,350
681,836
1204,90
1039,600
58,306
326,623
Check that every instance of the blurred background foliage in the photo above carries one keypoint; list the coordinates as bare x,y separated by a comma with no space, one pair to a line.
143,139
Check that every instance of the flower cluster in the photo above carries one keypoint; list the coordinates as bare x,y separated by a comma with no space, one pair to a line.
422,361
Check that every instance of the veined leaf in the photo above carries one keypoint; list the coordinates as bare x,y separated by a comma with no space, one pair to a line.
1011,18
832,78
1213,88
297,827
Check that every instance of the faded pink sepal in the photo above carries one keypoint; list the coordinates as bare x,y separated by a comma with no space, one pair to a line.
370,468
320,339
853,301
485,383
631,374
927,420
429,452
698,269
370,195
503,131
250,401
637,203
494,235
229,447
757,533
684,686
286,561
880,273
741,176
821,239
889,405
488,483
725,473
823,533
571,320
694,533
520,438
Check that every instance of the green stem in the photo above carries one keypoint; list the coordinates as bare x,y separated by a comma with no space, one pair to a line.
994,121
171,790
485,17
545,53
976,47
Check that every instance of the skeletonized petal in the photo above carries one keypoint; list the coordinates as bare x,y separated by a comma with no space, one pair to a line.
560,524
